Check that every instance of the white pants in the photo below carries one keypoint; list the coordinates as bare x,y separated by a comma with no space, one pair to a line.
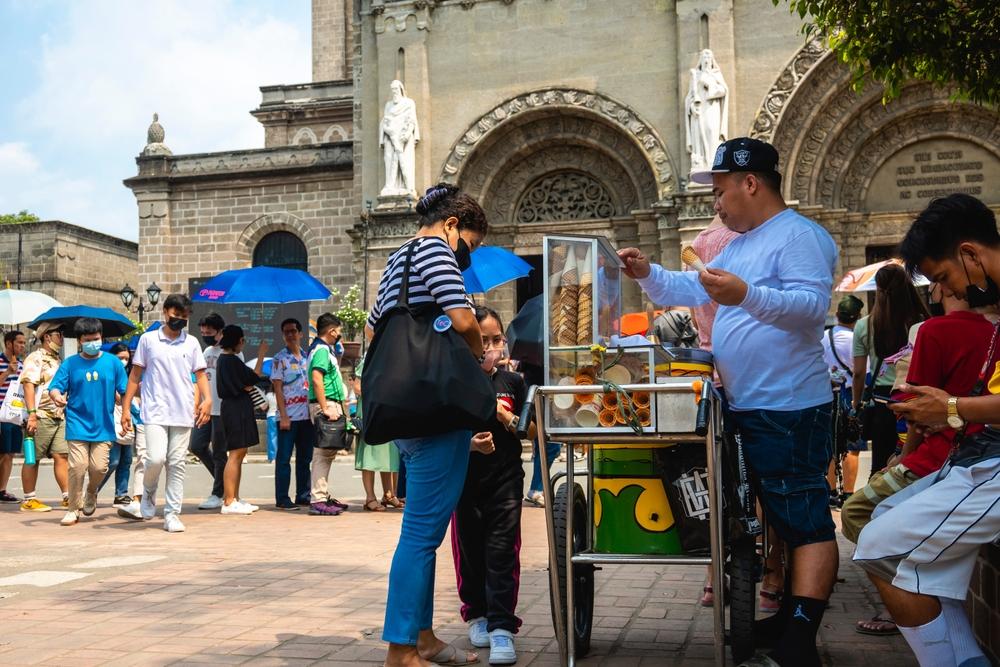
166,445
138,465
924,539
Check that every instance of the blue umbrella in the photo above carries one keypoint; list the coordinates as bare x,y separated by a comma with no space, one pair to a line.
115,324
493,266
262,284
133,342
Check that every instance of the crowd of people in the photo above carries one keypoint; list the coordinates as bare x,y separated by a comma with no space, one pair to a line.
918,379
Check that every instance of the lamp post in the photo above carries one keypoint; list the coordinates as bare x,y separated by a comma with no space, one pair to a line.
128,296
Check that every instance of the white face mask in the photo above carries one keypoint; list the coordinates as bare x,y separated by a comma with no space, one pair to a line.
490,362
124,362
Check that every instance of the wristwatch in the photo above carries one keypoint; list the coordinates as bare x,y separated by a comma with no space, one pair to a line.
512,424
954,420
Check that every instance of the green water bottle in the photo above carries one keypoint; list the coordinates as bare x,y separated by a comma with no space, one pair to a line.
29,450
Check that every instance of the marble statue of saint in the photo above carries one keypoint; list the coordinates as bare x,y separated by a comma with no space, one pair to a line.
707,111
398,136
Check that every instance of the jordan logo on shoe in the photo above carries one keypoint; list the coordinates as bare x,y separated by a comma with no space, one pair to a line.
801,614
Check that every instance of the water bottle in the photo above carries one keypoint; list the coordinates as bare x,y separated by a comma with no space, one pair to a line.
29,450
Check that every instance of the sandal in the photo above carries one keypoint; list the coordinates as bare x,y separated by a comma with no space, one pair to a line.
707,598
392,501
877,626
451,657
373,506
770,601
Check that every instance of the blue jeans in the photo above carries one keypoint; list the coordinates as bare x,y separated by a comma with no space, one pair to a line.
789,451
551,452
301,436
119,465
435,468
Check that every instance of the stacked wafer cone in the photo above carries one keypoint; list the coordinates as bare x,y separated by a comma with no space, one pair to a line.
690,257
568,296
585,304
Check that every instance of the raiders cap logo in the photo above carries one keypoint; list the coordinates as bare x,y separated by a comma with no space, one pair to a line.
742,158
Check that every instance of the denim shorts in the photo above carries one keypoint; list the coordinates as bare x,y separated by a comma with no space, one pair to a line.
789,453
10,438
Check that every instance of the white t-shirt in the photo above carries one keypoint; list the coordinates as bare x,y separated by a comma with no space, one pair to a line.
293,371
167,390
212,353
843,341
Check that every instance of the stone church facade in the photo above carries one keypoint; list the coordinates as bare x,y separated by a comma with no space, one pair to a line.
560,116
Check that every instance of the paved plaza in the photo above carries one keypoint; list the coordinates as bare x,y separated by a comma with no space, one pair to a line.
285,588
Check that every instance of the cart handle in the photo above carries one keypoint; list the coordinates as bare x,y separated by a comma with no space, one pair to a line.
527,412
701,422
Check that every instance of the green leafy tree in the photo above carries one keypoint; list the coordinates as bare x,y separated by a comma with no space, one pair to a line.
941,41
17,218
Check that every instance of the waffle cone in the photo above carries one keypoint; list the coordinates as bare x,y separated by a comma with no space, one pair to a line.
643,416
557,259
640,399
610,401
606,418
585,319
690,257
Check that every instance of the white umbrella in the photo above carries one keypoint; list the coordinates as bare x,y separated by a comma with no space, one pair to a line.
17,306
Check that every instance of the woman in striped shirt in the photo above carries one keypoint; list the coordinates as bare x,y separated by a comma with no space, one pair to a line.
452,225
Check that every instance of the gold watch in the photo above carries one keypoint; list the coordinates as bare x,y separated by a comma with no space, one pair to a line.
954,420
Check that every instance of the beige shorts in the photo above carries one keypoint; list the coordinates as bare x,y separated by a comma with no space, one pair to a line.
50,438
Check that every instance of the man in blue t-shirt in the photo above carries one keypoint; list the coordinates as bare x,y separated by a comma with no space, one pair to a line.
85,385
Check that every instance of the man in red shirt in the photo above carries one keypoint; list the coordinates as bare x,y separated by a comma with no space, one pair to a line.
948,353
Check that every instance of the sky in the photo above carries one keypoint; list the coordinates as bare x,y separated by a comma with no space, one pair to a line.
81,80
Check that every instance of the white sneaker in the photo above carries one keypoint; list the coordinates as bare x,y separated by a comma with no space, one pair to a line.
478,635
147,506
69,518
131,511
253,508
89,504
211,503
536,498
172,523
236,507
502,648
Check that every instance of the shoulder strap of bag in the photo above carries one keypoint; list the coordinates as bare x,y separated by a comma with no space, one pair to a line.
870,385
404,289
833,348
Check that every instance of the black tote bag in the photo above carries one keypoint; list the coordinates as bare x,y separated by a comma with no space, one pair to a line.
420,377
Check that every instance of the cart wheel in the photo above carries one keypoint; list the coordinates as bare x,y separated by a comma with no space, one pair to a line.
743,569
583,588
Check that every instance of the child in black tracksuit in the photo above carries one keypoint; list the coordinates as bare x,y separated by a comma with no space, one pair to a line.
486,526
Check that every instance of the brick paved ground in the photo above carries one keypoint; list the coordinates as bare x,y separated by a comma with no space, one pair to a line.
290,589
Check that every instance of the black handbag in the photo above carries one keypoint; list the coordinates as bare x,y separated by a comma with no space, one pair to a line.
420,376
867,411
331,434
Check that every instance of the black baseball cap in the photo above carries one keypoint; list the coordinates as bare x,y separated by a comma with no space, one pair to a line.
740,154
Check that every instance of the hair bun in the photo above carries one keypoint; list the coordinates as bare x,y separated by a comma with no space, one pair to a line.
433,195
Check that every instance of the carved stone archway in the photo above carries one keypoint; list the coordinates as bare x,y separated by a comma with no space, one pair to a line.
594,109
274,222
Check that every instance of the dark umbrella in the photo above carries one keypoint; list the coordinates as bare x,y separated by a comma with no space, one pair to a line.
114,324
524,333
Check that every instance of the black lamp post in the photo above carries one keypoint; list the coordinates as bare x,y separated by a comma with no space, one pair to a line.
128,296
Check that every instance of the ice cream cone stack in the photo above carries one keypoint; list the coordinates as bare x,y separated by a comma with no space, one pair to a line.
585,304
690,257
569,292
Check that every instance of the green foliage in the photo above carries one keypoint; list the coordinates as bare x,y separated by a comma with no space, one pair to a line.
890,41
354,318
17,218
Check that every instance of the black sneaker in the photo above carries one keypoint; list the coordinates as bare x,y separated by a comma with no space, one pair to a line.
287,505
8,498
121,501
303,502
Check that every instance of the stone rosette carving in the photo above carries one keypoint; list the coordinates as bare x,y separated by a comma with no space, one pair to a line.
564,195
618,114
786,83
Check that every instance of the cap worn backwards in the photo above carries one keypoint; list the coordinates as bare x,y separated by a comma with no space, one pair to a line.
740,154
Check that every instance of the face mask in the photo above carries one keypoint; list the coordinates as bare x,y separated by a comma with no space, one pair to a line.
124,362
936,309
55,345
337,339
981,297
91,348
463,255
491,359
208,340
177,324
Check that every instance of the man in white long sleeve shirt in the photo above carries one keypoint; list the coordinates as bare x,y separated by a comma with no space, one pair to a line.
773,286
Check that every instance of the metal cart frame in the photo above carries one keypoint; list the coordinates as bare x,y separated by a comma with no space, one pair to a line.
708,426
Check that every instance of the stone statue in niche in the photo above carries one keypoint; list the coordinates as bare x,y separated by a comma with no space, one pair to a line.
398,136
707,111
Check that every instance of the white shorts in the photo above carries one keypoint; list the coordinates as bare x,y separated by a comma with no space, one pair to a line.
925,538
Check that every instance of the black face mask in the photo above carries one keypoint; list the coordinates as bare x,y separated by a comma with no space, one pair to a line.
177,324
981,297
936,308
463,255
208,340
337,339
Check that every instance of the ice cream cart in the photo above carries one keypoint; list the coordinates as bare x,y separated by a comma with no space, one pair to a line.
656,465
